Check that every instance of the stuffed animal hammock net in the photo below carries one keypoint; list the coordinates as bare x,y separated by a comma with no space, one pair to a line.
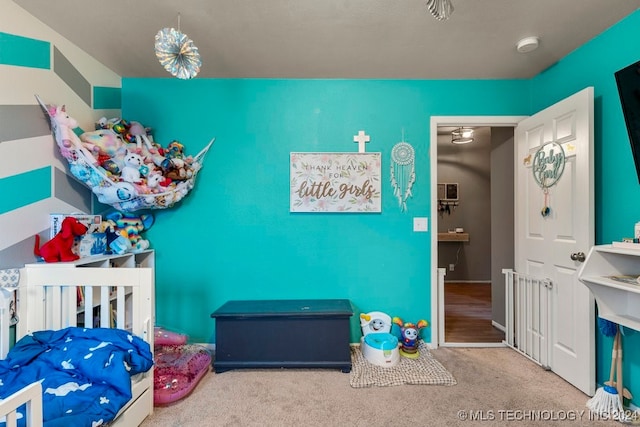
122,165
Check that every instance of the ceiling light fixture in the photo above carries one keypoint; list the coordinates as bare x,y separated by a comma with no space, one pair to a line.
527,44
462,136
440,9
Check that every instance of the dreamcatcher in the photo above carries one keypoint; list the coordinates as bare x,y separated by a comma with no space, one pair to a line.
403,172
177,53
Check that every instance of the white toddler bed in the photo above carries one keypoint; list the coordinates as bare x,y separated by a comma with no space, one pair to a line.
56,296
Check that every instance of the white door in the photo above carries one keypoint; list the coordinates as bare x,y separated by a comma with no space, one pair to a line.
545,244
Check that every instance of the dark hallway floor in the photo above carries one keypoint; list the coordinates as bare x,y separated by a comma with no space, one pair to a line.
468,314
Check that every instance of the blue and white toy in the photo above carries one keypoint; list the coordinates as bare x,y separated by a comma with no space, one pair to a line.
379,346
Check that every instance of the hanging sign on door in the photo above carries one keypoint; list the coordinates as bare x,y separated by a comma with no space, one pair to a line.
548,166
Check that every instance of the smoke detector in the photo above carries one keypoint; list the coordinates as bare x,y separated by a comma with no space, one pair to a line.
527,44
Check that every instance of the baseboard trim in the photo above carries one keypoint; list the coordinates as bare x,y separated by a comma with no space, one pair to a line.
430,345
498,326
474,344
468,282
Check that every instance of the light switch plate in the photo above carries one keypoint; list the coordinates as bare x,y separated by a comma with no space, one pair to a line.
420,224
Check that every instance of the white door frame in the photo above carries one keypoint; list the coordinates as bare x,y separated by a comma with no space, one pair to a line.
437,292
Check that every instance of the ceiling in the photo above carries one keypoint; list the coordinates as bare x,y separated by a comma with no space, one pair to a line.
350,39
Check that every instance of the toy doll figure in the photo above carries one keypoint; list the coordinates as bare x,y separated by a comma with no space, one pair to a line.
410,337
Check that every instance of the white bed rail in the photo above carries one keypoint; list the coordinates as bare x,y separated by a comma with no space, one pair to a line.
60,297
528,316
6,297
9,281
32,396
55,296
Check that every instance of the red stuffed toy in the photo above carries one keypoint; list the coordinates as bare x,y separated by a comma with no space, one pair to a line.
59,248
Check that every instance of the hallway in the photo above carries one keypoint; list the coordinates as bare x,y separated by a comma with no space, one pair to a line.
468,314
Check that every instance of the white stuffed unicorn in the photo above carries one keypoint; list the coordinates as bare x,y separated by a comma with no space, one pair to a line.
66,138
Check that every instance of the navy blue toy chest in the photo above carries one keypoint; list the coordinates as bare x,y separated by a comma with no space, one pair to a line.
283,334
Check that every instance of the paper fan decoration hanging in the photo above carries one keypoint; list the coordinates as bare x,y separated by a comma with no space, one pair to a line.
440,9
403,172
177,53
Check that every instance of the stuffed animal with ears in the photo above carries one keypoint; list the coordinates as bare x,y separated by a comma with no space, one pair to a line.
139,134
177,166
410,336
67,140
133,168
103,141
59,248
107,147
131,226
156,182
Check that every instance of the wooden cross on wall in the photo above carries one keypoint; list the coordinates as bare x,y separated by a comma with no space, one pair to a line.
361,138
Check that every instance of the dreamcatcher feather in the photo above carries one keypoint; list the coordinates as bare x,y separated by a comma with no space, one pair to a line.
403,172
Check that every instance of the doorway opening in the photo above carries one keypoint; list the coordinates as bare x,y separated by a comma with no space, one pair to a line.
472,238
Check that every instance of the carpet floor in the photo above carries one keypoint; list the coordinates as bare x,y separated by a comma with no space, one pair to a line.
495,386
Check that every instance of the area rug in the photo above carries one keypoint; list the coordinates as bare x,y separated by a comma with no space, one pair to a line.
424,370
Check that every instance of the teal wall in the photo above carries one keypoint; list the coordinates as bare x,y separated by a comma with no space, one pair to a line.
617,192
234,238
38,181
24,51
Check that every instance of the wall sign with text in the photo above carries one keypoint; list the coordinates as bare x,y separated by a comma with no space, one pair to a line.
335,182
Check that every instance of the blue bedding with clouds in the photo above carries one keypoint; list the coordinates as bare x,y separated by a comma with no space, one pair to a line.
85,373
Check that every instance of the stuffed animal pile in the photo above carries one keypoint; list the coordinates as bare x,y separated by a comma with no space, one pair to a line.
127,152
121,163
124,231
123,234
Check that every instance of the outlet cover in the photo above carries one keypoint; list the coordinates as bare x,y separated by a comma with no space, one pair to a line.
420,224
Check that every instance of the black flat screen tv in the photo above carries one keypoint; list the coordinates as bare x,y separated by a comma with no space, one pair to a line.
628,81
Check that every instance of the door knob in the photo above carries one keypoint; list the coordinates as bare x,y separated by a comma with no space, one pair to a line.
578,256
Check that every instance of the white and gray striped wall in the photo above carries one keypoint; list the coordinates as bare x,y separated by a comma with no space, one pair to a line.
34,179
